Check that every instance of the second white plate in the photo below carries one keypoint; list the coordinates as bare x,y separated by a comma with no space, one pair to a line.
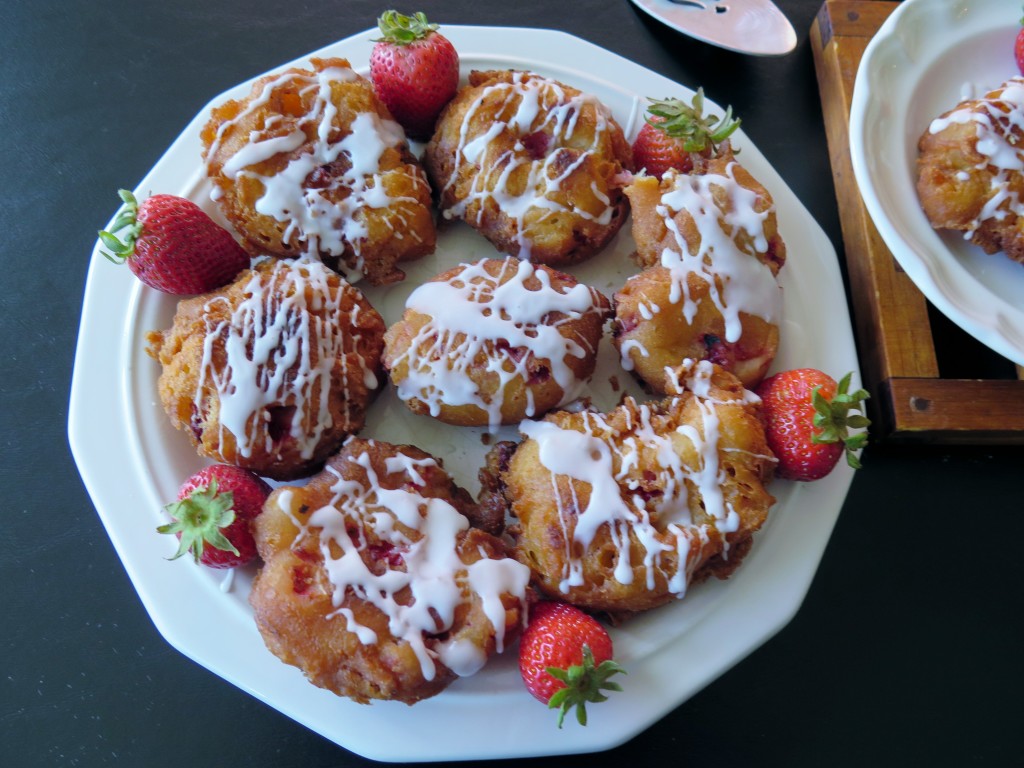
928,56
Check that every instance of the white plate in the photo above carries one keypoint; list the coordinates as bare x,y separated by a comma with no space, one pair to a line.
928,56
132,462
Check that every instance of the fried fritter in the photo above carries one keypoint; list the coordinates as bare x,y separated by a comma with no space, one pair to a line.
971,170
272,372
654,334
533,164
373,582
311,162
622,511
494,342
709,241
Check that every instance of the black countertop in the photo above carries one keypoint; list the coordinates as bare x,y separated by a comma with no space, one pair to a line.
906,650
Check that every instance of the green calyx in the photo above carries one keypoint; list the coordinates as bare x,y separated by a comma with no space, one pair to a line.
200,519
688,124
583,683
401,30
834,419
119,251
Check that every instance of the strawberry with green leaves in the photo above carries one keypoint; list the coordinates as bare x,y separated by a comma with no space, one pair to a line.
674,129
415,71
807,421
171,244
213,515
566,658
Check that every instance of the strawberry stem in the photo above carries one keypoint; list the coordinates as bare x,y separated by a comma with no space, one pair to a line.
119,251
583,682
687,122
400,29
833,419
200,519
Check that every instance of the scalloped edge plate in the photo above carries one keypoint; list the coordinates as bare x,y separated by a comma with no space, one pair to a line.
927,57
132,462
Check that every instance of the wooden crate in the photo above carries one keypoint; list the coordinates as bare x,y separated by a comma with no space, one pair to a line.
929,381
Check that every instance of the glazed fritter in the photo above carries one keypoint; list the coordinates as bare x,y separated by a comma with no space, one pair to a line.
971,170
710,244
375,585
531,163
495,342
272,372
311,162
653,332
622,511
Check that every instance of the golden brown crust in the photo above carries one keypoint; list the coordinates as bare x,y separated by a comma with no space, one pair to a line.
572,139
703,295
963,188
275,425
368,234
311,622
499,380
654,342
651,516
653,236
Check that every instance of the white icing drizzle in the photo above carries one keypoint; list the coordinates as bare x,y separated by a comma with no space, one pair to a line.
662,523
537,105
272,351
322,219
433,573
998,119
738,281
472,311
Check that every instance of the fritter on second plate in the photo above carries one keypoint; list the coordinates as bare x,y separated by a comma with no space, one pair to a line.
273,371
622,511
710,243
533,164
312,162
375,585
494,342
971,170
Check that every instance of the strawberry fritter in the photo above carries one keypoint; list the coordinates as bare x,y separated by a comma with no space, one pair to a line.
531,163
971,170
272,372
494,342
311,162
375,585
622,511
654,334
709,241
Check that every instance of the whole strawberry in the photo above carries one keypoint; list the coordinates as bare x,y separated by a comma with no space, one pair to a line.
807,417
213,515
673,129
565,658
415,71
172,245
1018,48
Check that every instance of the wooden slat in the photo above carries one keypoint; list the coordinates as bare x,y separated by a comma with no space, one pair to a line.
901,366
958,411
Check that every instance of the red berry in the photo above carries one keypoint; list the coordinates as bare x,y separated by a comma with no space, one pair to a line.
415,71
213,515
657,152
172,245
565,659
807,419
1018,50
674,130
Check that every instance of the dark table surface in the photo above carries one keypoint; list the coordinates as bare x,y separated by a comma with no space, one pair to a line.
906,651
